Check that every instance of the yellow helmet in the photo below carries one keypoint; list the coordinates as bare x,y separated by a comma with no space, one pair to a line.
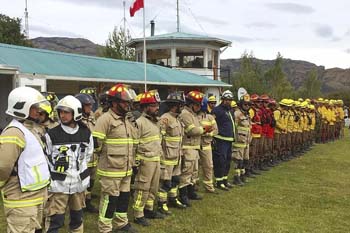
320,100
308,100
212,98
300,100
312,107
285,102
303,104
138,98
297,103
233,104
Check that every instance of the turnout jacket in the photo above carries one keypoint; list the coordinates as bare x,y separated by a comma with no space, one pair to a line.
24,174
172,133
114,136
69,150
149,146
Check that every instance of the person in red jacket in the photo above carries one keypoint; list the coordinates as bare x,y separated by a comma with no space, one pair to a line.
268,131
255,146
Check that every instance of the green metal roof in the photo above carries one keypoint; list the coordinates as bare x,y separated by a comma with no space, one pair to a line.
180,36
58,65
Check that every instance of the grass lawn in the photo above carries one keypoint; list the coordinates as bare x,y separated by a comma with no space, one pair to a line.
307,194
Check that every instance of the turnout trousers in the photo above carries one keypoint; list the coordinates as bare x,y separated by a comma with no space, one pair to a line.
222,153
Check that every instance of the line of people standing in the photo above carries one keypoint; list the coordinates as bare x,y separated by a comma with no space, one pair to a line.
137,154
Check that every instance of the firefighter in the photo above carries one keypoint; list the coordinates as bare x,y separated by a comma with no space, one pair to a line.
205,153
256,132
280,137
53,99
172,133
267,128
69,147
92,92
89,120
211,103
47,119
114,142
24,173
148,154
243,137
103,105
222,143
191,146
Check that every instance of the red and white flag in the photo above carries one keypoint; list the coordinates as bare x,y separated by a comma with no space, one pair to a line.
138,4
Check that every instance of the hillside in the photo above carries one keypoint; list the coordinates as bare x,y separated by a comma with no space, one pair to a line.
68,45
334,79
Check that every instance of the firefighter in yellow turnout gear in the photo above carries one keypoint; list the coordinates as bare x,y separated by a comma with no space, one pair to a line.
24,173
148,154
172,133
114,138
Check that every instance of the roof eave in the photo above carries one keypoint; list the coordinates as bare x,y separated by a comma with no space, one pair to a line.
91,79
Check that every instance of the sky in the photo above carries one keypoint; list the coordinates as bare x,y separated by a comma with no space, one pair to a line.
315,31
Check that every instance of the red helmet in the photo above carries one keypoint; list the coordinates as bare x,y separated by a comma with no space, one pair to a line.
264,98
194,97
149,98
254,97
272,101
119,92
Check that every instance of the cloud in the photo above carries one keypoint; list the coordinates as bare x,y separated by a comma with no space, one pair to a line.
324,31
261,25
214,21
54,32
347,51
116,3
291,8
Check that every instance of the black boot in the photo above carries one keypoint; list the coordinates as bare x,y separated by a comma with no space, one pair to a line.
163,208
151,214
192,193
220,185
227,184
183,197
174,202
248,173
126,229
237,181
89,207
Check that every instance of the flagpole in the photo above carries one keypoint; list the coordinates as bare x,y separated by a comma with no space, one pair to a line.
144,46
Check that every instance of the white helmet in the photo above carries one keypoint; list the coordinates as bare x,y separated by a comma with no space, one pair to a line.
227,95
21,99
70,103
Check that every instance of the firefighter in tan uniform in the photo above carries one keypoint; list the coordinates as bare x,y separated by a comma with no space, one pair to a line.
114,142
240,152
205,153
191,146
211,103
88,119
148,154
103,105
172,132
24,173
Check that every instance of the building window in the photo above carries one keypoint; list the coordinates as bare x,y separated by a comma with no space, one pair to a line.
189,58
160,57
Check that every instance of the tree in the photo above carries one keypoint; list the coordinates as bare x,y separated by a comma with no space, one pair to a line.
276,82
114,47
311,87
249,75
10,31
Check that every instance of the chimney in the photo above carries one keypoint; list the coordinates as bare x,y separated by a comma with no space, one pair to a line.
152,27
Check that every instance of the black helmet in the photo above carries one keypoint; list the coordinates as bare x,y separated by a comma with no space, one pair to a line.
85,98
175,97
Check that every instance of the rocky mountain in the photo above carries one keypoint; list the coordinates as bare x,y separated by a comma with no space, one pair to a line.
68,45
333,80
